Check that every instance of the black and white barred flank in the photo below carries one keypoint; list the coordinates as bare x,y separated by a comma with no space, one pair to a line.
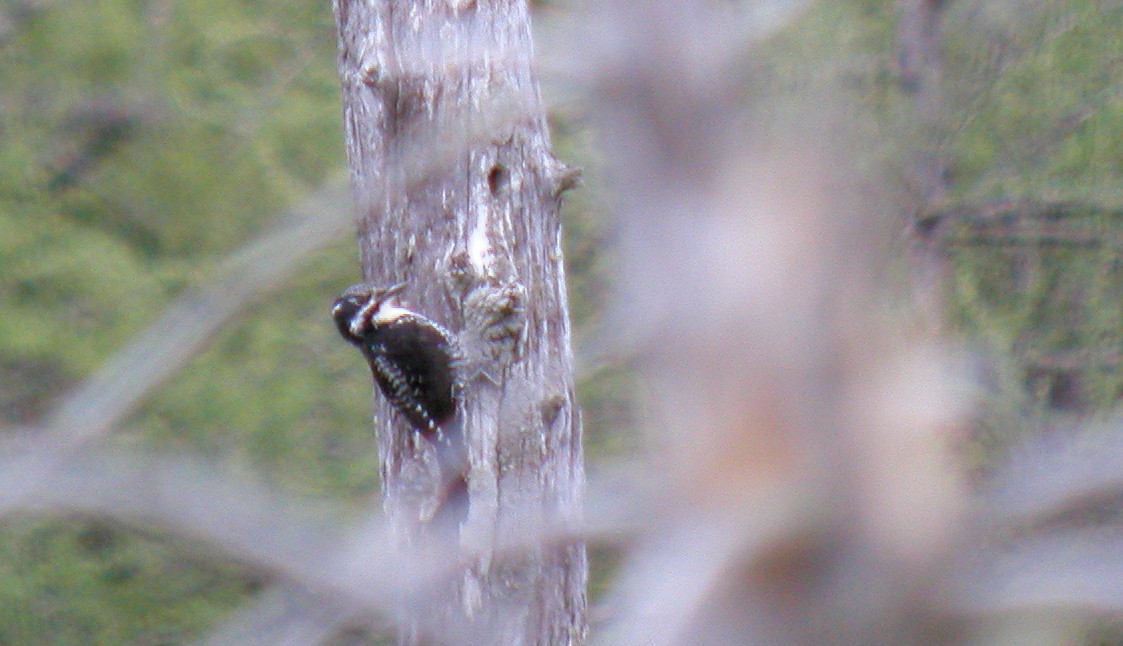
413,358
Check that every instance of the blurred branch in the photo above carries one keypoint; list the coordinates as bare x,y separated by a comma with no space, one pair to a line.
1027,236
298,539
340,572
284,615
192,320
788,485
1065,571
94,408
1057,477
1071,360
1024,222
921,71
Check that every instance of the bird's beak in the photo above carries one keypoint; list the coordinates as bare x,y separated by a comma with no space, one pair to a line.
393,290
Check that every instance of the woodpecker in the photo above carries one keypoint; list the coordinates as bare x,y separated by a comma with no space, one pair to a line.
413,358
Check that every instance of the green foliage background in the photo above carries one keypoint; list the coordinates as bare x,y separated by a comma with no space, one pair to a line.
140,142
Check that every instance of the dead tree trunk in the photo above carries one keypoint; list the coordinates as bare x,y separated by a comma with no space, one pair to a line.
458,196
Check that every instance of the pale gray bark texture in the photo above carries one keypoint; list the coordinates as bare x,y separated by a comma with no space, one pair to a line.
458,196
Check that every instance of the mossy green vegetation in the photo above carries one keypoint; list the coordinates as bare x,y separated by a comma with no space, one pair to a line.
89,582
142,142
1037,122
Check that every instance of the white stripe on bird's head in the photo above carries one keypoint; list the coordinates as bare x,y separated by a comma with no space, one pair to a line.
388,312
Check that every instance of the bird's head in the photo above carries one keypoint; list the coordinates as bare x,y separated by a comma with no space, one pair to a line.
361,308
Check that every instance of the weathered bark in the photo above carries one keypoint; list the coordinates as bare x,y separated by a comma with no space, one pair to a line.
458,196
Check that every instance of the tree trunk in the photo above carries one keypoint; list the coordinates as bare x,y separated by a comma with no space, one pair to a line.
458,196
921,76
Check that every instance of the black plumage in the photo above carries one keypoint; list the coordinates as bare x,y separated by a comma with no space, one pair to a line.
411,357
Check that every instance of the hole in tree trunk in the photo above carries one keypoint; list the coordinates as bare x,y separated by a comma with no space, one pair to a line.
497,179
